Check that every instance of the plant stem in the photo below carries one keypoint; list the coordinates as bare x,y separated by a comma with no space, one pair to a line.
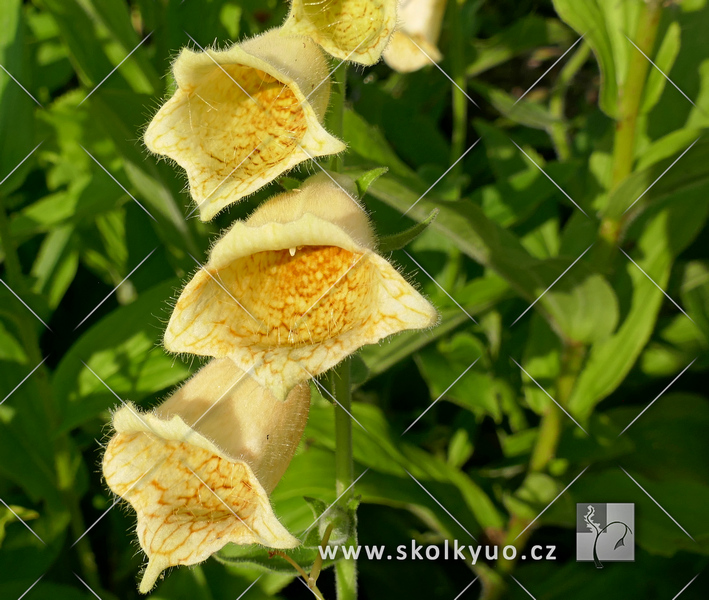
344,468
460,102
336,115
518,532
345,569
63,463
557,102
340,383
630,97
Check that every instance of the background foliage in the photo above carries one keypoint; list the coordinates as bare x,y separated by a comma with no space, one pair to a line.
604,341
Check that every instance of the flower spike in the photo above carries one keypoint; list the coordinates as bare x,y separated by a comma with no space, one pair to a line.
243,116
199,469
295,289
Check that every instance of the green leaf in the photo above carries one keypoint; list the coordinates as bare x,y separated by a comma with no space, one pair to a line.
542,360
664,231
475,297
359,371
10,348
124,350
664,59
672,144
56,265
477,390
535,493
263,558
16,108
524,34
389,459
367,141
364,181
122,113
397,241
582,305
604,24
695,294
289,183
685,501
79,34
526,113
669,439
690,172
570,305
115,17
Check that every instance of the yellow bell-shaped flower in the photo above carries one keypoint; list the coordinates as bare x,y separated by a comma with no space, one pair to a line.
199,469
295,289
241,117
414,44
355,30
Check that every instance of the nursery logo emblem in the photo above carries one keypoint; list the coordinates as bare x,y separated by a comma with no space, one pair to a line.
604,532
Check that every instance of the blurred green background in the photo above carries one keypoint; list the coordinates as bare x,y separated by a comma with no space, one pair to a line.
89,219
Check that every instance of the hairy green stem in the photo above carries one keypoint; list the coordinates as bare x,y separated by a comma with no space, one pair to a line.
460,102
345,569
630,97
336,116
340,380
557,103
344,468
63,464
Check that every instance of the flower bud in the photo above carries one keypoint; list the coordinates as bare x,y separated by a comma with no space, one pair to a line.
420,27
241,117
355,30
198,470
295,289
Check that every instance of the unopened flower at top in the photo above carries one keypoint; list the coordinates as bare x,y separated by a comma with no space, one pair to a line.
294,289
199,469
242,116
355,30
413,45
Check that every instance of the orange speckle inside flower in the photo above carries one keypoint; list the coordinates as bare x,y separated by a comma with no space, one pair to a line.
244,121
348,24
188,500
316,293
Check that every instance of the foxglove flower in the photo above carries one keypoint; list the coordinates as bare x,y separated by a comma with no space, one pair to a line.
294,289
199,469
355,30
420,26
242,116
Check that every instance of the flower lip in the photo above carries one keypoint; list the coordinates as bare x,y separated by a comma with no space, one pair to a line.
242,116
355,30
292,298
197,488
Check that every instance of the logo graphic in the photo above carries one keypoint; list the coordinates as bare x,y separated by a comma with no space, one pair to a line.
604,532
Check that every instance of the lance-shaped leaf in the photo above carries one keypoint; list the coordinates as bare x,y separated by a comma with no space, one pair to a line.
242,116
199,469
295,289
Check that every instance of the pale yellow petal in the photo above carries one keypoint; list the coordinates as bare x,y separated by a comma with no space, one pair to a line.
354,30
413,45
243,116
243,419
190,498
291,299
